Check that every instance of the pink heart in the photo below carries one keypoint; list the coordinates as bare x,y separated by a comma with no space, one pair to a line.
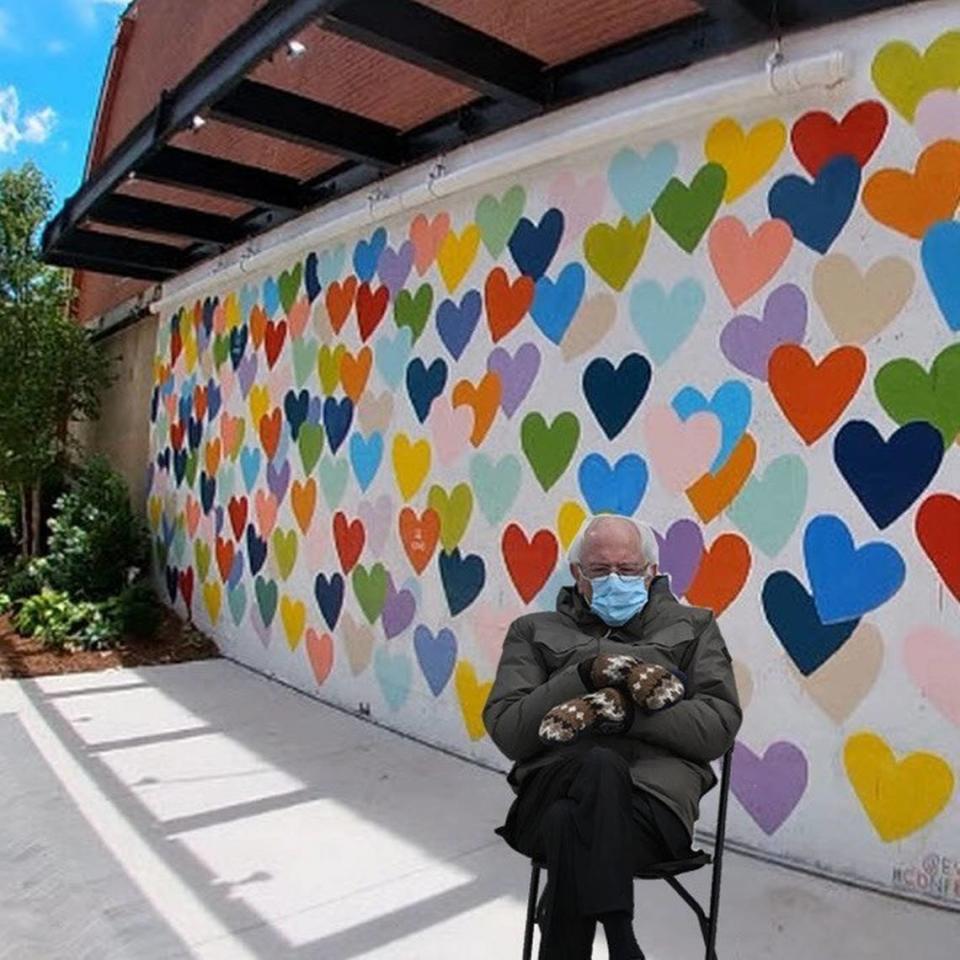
376,518
314,548
280,379
451,428
426,236
938,116
265,504
219,319
744,262
680,451
228,381
320,653
298,317
580,200
490,625
932,657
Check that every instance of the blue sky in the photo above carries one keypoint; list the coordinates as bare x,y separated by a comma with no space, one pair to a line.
52,57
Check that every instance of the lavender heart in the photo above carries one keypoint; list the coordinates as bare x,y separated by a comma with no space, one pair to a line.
278,478
516,373
398,610
315,410
748,342
394,267
376,518
769,787
247,372
218,517
456,324
437,656
236,569
681,550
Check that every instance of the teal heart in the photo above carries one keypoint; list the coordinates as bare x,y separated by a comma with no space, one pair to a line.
333,480
664,320
179,545
226,481
636,181
266,591
163,426
394,672
495,484
769,508
237,600
498,218
250,458
392,354
304,359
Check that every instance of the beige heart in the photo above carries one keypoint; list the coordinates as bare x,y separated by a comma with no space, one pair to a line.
744,680
591,324
858,306
848,676
375,412
358,640
321,321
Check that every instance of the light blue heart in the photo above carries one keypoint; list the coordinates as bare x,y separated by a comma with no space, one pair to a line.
731,403
637,180
495,484
179,545
769,508
250,462
365,456
331,264
394,671
333,480
663,321
391,355
237,600
555,302
613,489
271,296
226,481
940,254
248,300
304,359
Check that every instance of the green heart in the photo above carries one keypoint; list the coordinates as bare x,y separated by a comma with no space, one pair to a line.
412,310
498,218
333,480
328,366
161,552
289,284
769,508
266,591
285,550
310,444
496,485
550,449
370,589
907,392
190,472
304,357
684,212
454,511
237,598
614,252
221,349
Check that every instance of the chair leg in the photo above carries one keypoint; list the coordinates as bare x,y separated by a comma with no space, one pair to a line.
531,912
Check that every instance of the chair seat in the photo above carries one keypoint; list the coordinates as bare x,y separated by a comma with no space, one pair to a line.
673,868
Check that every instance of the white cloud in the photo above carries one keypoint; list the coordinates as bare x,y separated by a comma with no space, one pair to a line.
34,127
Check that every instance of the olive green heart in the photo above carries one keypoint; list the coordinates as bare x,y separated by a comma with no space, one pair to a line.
454,511
908,392
201,552
221,349
328,366
549,450
412,310
310,444
614,252
497,219
370,589
190,471
285,550
289,284
683,212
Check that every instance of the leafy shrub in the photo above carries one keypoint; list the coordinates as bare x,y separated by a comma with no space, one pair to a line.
138,609
22,577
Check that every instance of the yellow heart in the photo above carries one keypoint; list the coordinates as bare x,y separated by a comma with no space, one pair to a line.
211,599
472,696
456,255
231,311
746,157
905,76
156,510
411,463
570,518
293,612
259,402
899,797
328,366
189,354
201,553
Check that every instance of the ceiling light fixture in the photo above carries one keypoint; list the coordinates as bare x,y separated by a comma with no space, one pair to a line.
295,49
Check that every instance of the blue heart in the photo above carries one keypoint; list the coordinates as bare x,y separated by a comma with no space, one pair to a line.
940,253
533,246
637,181
365,456
436,655
392,354
194,432
337,416
887,476
614,393
248,300
462,578
213,400
237,600
731,403
425,384
256,549
311,281
847,581
456,324
818,211
250,459
556,302
366,254
238,344
791,612
179,465
331,264
617,489
172,581
271,296
664,320
329,594
295,406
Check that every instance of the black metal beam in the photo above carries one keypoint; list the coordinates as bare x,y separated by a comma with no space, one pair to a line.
429,39
135,213
279,113
111,253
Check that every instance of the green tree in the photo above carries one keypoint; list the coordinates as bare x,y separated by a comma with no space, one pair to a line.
52,373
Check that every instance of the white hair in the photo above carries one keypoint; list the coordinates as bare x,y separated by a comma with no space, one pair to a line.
649,547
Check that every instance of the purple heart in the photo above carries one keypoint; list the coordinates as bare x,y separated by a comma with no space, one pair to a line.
516,373
681,550
259,627
376,518
236,569
748,342
769,787
315,410
456,324
436,655
398,610
150,472
218,515
278,478
247,372
394,267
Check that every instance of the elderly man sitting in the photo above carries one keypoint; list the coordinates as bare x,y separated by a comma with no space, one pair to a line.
611,709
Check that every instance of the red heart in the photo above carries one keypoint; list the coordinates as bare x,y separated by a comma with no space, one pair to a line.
224,557
506,302
817,137
371,307
938,530
185,579
177,430
270,424
349,539
200,401
723,571
176,345
320,653
529,562
275,335
339,301
237,508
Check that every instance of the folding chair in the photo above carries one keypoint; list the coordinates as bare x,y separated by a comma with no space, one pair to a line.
669,872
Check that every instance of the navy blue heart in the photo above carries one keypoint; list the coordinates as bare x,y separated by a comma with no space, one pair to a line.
533,247
791,612
163,459
179,465
185,404
168,530
238,344
462,577
887,476
194,432
213,399
208,487
329,594
256,549
311,281
154,404
172,580
817,211
209,307
337,417
614,393
425,384
295,406
456,324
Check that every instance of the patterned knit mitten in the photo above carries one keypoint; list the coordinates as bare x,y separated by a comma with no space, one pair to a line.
605,711
654,687
611,670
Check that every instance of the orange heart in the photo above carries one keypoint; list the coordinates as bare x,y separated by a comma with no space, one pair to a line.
258,325
723,571
419,536
354,372
339,301
304,498
228,431
912,202
224,557
270,425
211,456
320,653
506,302
484,399
200,401
813,395
714,492
426,236
193,515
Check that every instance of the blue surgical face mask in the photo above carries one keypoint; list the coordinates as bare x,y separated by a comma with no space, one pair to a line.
616,599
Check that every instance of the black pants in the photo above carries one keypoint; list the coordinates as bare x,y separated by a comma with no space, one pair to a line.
583,818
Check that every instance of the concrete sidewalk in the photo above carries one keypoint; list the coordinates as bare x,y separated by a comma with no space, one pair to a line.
203,811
